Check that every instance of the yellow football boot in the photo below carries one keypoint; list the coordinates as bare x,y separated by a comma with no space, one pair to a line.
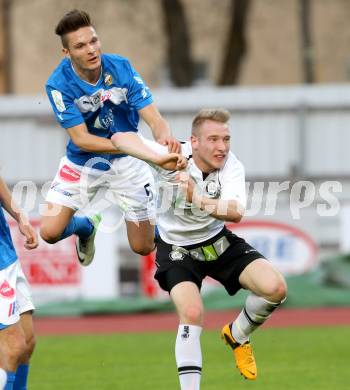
243,354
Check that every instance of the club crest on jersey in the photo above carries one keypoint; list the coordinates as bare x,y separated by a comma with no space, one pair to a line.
108,79
213,189
6,291
176,255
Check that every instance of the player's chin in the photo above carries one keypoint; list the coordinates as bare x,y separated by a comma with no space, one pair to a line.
93,65
218,163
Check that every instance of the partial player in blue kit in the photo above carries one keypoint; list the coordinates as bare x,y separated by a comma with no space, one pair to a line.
94,96
17,339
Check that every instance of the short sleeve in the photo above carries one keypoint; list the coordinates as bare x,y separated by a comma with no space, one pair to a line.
233,181
64,108
139,95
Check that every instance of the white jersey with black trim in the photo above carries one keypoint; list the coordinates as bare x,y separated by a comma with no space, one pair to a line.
182,223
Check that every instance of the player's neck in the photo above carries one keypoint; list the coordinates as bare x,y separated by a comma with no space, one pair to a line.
202,166
90,76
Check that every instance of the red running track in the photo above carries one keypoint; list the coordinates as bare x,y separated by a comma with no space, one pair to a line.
154,322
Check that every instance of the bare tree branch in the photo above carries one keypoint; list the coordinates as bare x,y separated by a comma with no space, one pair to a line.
236,45
306,41
5,48
179,50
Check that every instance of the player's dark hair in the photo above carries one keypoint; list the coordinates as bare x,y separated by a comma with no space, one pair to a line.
72,21
213,114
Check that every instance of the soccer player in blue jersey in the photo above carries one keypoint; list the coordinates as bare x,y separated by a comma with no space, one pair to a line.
94,96
16,327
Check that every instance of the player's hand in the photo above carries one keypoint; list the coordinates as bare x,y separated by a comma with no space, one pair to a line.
28,232
172,143
186,185
172,162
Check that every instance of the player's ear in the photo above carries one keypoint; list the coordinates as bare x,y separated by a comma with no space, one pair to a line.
194,141
65,52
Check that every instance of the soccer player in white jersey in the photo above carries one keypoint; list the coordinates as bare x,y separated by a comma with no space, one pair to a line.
17,339
94,96
194,243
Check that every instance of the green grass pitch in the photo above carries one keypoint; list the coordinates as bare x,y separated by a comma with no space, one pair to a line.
291,358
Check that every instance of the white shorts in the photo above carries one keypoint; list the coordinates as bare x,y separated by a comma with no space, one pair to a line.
129,184
15,295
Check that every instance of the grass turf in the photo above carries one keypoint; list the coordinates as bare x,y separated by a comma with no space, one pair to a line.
295,359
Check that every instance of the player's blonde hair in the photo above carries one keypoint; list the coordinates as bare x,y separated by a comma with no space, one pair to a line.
214,114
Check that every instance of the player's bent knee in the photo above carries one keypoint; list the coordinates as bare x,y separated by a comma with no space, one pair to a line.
49,235
277,291
142,249
193,315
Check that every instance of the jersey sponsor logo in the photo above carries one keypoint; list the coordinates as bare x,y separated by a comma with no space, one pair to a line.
94,102
58,100
6,291
68,174
55,187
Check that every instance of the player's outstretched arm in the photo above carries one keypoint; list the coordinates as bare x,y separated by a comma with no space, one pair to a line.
160,128
19,215
130,143
90,142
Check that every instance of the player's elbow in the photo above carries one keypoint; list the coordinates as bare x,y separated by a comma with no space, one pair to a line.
236,212
120,141
116,140
236,217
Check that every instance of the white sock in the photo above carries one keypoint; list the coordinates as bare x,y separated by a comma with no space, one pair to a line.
188,356
3,378
255,312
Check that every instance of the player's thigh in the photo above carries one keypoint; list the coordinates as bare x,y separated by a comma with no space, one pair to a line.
26,322
188,302
13,345
133,189
263,279
71,190
26,308
140,234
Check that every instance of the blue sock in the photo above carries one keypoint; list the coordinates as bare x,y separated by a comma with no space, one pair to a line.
11,376
81,226
21,377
